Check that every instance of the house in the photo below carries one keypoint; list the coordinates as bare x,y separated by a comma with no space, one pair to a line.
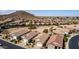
6,21
17,22
29,36
55,41
41,40
15,34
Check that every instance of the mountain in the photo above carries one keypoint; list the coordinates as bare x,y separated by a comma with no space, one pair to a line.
18,15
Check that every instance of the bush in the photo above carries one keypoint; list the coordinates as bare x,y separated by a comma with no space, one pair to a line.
45,30
14,41
31,26
66,38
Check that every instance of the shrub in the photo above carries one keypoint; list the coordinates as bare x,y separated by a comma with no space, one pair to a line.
14,41
31,26
66,38
45,30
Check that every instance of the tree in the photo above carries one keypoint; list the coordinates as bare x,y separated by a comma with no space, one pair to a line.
30,43
45,30
72,31
65,39
5,34
31,26
14,41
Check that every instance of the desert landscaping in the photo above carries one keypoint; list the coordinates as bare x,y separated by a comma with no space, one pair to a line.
38,32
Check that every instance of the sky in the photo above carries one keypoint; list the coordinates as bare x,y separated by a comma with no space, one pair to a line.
46,12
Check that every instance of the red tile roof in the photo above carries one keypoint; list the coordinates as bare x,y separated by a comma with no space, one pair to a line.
56,40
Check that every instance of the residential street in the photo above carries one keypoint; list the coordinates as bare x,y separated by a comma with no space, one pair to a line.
7,45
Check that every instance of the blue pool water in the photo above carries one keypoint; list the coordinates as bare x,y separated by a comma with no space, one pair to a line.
74,42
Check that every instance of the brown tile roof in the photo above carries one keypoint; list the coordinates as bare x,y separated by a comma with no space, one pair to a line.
20,32
30,35
56,40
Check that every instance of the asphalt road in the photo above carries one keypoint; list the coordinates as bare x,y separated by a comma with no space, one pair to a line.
7,45
1,47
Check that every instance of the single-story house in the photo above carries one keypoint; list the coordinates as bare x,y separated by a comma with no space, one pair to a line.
56,40
17,33
41,40
29,36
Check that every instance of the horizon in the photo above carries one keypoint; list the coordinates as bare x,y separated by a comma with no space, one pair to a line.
45,12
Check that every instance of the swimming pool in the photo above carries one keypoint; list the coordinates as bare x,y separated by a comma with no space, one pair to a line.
74,42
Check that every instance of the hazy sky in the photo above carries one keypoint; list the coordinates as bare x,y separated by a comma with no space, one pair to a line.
47,12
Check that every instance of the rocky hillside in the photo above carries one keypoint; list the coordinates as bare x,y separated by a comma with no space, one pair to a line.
18,15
